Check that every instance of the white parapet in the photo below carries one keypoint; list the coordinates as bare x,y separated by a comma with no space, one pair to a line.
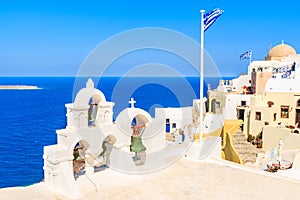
208,148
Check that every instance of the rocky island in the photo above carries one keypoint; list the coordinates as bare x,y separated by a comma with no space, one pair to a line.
18,87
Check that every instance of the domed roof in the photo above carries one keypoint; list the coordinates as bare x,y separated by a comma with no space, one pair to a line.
281,50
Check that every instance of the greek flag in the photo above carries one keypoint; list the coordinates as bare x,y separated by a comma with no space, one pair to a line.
246,55
294,66
211,17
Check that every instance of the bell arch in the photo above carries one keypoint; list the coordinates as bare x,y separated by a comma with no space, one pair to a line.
83,97
125,119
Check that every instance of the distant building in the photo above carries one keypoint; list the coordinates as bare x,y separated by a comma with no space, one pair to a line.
278,105
266,99
175,118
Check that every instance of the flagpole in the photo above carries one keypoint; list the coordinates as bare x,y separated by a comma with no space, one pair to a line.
201,76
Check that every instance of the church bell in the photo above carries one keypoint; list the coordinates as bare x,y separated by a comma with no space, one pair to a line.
137,144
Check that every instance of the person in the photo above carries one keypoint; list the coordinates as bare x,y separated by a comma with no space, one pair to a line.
181,132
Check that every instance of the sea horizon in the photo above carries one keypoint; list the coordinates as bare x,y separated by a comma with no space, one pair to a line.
108,76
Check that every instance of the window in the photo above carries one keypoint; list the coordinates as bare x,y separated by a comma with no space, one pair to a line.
218,105
174,125
298,103
167,121
284,111
258,116
260,69
243,103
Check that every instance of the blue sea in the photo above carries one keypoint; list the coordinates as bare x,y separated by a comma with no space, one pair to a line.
29,118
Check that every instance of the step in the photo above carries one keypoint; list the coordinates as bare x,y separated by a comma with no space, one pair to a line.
247,151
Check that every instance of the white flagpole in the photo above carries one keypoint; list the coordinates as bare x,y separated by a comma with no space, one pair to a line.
250,58
201,76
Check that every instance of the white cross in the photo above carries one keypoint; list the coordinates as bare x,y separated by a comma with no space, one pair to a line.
132,102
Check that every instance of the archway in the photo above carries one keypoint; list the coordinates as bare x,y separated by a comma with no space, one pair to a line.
138,125
87,101
93,109
103,160
79,151
83,96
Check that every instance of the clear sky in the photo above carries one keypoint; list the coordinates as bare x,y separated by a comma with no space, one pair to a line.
54,37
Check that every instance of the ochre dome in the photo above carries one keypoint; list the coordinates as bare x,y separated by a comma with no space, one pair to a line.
281,50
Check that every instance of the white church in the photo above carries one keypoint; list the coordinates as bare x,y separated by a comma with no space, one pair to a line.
89,128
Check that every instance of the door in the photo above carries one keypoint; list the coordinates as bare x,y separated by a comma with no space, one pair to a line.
297,122
241,113
213,106
168,128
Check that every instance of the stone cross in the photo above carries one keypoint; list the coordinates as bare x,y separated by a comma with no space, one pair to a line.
132,102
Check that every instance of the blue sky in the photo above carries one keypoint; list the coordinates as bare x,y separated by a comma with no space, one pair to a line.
53,37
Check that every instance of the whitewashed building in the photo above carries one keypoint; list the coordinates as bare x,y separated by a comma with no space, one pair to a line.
89,130
175,118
